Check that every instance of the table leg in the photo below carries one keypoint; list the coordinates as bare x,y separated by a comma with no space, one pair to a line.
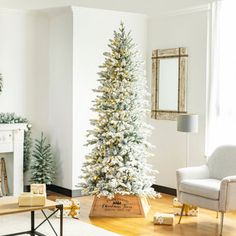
32,223
61,219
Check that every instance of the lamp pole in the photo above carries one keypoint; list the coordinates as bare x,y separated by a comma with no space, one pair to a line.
187,123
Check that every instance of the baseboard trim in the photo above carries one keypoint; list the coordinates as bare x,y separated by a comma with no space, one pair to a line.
60,190
64,191
27,188
164,189
77,193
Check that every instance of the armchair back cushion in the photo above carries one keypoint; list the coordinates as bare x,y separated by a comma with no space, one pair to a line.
222,162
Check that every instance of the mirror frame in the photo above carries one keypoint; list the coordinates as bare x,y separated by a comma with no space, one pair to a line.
157,55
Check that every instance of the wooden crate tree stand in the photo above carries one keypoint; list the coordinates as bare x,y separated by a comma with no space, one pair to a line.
120,206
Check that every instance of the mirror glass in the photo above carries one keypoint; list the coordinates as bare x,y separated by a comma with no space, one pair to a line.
168,84
169,76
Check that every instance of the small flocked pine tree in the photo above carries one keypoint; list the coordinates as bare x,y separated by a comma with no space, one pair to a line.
42,166
117,161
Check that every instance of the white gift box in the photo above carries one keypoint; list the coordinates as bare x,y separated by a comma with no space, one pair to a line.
163,219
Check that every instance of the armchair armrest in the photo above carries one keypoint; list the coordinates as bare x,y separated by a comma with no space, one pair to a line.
198,172
228,194
229,179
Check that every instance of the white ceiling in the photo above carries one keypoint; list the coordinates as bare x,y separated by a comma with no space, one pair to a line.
149,7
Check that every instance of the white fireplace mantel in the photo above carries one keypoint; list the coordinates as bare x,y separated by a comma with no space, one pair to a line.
12,141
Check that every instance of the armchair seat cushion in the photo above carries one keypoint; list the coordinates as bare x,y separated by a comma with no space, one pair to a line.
208,188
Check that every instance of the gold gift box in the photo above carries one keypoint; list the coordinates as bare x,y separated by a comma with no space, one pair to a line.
163,219
29,199
71,208
189,210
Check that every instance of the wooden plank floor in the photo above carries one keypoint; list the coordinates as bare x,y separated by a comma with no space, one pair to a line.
205,224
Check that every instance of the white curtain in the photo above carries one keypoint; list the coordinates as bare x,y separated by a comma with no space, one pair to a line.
221,116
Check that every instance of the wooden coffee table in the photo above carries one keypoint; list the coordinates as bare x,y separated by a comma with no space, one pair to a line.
9,205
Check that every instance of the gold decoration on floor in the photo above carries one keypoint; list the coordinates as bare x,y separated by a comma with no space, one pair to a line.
71,208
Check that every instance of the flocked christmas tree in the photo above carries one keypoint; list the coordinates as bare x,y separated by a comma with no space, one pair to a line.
117,161
42,167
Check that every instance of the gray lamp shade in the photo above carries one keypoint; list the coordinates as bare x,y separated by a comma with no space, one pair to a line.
187,123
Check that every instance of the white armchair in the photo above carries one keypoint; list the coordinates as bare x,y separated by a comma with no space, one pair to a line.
211,186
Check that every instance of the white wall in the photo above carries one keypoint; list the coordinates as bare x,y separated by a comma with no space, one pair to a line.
181,30
60,93
13,62
152,8
23,64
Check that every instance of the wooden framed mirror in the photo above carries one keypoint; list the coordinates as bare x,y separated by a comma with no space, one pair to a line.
169,76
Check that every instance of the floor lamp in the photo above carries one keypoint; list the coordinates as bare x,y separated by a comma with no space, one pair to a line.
187,123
